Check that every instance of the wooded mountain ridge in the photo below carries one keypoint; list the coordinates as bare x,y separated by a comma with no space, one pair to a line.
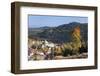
59,34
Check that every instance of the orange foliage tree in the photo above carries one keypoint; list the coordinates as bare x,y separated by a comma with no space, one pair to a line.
76,38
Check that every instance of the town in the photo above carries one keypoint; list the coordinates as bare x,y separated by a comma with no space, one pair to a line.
43,49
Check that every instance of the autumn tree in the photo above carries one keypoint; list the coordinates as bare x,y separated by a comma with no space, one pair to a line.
76,39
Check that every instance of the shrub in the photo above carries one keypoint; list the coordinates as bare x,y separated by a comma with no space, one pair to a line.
66,52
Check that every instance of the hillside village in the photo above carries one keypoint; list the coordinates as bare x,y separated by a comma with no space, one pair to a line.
44,49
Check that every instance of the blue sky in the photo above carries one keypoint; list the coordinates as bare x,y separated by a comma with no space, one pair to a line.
35,21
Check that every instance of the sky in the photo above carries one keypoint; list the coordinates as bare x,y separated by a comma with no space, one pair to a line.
35,21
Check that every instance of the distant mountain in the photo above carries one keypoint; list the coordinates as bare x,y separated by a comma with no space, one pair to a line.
35,31
70,26
59,34
45,27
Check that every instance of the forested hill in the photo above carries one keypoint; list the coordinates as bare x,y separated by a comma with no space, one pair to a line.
59,34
